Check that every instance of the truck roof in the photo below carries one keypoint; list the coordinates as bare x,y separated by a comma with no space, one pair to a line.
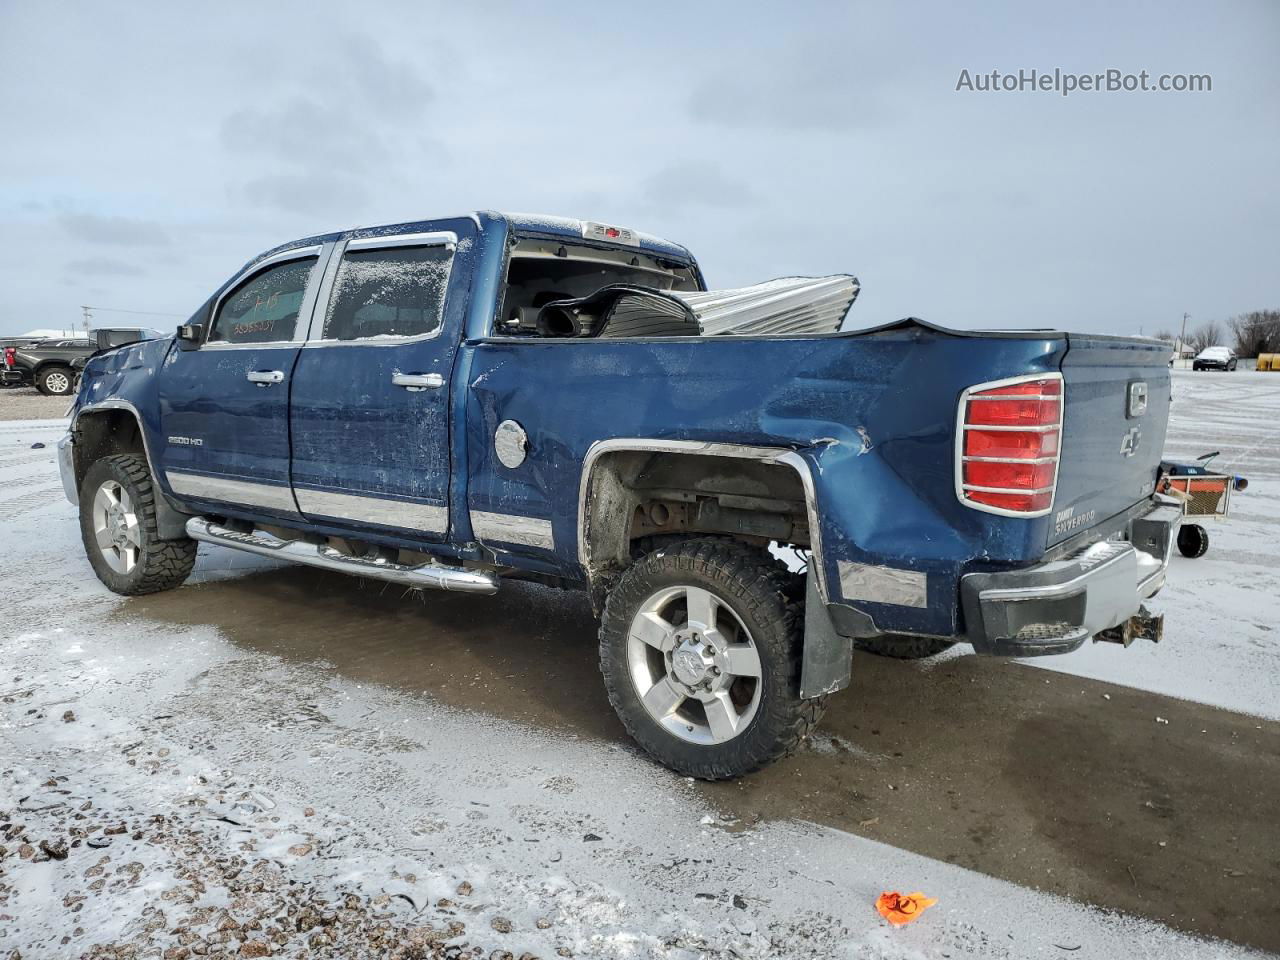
526,223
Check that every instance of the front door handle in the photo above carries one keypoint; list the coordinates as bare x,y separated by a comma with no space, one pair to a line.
418,381
264,378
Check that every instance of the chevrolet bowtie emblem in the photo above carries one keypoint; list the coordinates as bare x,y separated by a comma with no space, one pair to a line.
1129,442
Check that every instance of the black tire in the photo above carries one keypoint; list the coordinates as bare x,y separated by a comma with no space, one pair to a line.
1193,540
902,646
55,381
160,564
758,590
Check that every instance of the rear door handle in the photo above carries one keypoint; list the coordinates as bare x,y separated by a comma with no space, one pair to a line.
264,378
418,381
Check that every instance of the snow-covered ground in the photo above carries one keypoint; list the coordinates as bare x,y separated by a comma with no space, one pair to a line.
288,790
1222,638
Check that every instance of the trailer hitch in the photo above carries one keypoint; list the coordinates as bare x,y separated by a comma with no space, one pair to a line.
1143,625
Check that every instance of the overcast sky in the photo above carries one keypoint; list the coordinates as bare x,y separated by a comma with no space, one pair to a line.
148,150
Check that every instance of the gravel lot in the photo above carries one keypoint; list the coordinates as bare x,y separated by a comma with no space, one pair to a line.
28,403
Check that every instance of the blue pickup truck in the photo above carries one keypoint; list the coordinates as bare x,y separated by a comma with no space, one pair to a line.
374,402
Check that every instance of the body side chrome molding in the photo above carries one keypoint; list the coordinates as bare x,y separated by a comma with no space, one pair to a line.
433,576
779,455
508,528
249,493
370,508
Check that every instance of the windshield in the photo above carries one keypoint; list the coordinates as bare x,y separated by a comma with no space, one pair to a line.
1214,352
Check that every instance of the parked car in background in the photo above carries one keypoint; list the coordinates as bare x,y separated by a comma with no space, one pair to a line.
1215,358
48,364
8,348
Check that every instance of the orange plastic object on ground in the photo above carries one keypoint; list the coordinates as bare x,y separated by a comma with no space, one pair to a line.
901,908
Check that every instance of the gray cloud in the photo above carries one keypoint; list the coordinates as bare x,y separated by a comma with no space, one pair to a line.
114,230
696,183
389,85
104,266
306,192
814,86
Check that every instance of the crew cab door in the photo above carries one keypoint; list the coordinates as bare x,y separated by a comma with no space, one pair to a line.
224,403
370,399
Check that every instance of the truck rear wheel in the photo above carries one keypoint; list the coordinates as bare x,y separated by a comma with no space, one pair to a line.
55,381
902,646
700,647
118,526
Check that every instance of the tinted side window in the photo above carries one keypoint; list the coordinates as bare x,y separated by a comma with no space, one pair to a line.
265,307
397,292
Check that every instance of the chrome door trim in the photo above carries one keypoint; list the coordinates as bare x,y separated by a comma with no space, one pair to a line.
783,456
509,528
418,381
322,252
371,508
247,493
324,293
265,378
438,238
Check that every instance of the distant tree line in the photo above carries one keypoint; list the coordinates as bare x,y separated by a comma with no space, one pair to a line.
1255,332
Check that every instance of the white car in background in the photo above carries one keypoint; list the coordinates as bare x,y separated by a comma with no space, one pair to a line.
1215,358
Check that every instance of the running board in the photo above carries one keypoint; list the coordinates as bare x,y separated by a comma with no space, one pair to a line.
426,576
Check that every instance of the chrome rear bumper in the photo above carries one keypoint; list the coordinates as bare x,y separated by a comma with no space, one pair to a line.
1055,606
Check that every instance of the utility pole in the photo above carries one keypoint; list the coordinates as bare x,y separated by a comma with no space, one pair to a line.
87,317
1182,340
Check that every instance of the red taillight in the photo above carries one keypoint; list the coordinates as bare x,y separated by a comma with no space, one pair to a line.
1022,476
1008,448
9,354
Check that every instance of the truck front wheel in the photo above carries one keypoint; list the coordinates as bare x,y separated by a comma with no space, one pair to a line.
700,646
118,526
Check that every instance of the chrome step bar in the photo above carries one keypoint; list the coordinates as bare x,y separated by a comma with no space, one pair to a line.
426,576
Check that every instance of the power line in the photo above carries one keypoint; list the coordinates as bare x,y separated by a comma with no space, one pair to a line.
141,313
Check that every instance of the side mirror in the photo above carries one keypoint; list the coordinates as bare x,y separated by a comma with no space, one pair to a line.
191,332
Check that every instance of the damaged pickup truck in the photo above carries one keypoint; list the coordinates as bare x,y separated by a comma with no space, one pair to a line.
453,403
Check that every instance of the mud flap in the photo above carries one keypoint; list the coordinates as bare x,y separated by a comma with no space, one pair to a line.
827,662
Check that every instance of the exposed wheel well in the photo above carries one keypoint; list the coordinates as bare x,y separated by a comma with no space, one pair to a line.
633,494
112,431
105,433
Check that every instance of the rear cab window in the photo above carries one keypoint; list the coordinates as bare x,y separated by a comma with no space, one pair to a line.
389,293
544,271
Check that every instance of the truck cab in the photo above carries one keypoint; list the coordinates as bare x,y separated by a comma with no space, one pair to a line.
393,402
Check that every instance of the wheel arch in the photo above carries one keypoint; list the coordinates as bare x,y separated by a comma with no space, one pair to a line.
608,496
112,427
43,365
